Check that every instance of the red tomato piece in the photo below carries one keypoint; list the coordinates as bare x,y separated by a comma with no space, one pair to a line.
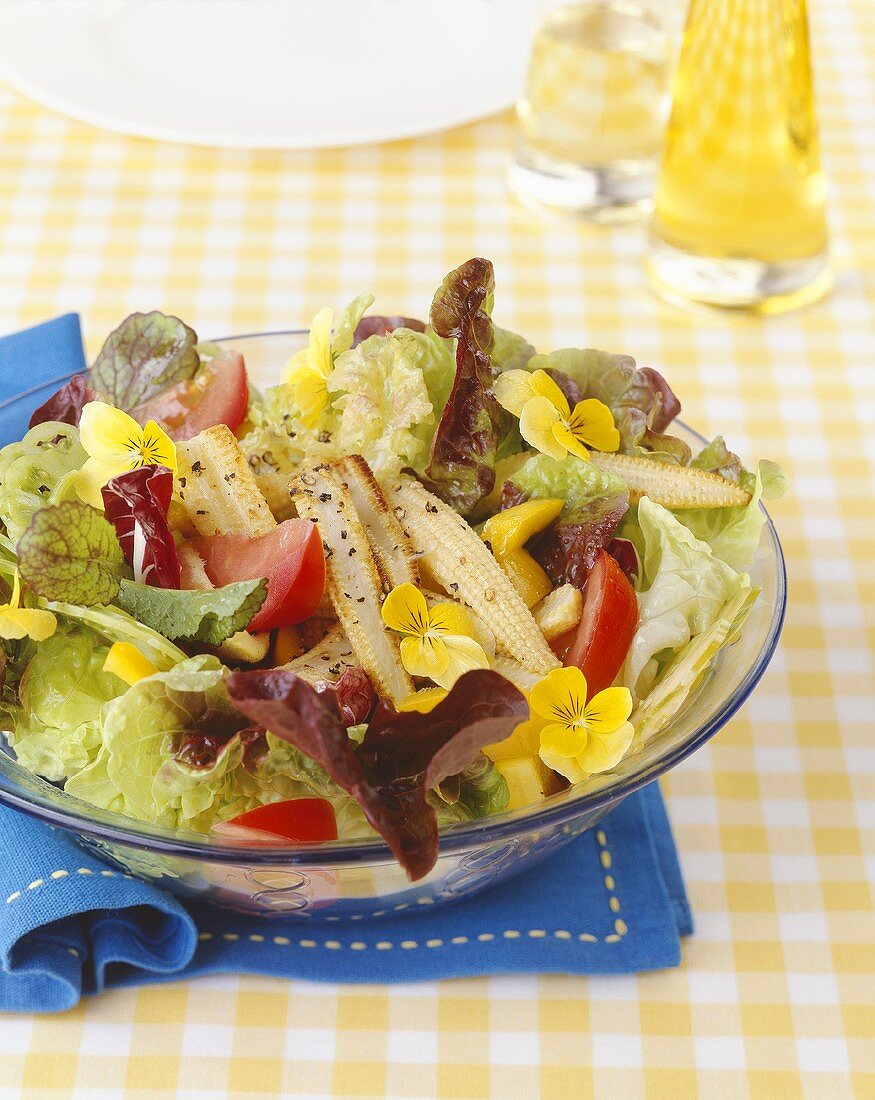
218,394
308,820
290,556
601,640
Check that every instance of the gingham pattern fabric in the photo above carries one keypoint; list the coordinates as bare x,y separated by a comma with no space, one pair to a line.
775,819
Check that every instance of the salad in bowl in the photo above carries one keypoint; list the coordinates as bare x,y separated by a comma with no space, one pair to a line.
429,576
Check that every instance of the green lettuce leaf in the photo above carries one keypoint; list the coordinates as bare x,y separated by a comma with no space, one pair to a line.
734,533
344,330
71,552
135,772
595,502
55,726
684,591
147,353
685,670
380,403
509,350
36,471
194,615
115,625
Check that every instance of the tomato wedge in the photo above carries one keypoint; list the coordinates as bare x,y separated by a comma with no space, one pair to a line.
218,394
307,820
601,640
290,556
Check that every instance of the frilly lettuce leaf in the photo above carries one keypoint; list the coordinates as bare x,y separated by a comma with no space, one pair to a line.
594,504
509,350
38,470
55,727
194,615
71,552
683,592
377,324
461,468
380,403
147,353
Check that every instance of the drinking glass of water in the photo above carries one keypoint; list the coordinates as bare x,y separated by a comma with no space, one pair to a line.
592,117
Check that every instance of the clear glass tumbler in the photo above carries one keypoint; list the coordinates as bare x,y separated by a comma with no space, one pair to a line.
740,219
592,118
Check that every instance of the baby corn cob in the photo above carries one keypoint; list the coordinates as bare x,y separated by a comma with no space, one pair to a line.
671,485
327,660
353,580
217,487
460,561
389,542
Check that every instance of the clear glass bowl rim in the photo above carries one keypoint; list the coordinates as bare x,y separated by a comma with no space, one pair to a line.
554,811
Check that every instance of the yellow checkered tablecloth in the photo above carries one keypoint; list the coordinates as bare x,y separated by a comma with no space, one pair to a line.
775,819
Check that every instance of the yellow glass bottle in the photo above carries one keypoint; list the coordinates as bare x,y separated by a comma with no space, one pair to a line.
740,217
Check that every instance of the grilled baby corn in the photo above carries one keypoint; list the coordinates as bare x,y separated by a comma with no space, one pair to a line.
389,542
671,485
217,487
327,660
460,561
353,579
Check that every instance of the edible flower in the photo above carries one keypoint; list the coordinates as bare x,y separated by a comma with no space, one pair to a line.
547,421
438,641
115,443
579,738
309,369
24,622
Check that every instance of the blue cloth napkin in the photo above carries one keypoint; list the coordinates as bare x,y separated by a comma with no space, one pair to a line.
33,364
612,901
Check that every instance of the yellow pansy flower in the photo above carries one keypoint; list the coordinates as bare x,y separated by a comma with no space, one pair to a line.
578,738
115,443
438,641
24,622
309,369
547,421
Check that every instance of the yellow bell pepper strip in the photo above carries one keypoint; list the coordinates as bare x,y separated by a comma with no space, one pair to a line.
128,663
527,577
511,529
287,645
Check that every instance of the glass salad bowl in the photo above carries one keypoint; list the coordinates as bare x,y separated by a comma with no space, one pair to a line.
358,879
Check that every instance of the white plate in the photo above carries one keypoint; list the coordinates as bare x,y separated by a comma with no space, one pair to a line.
287,74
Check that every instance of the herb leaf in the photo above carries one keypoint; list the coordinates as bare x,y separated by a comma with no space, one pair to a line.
147,353
71,553
194,615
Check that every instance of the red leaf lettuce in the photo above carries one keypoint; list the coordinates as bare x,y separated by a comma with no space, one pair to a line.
461,466
402,757
66,404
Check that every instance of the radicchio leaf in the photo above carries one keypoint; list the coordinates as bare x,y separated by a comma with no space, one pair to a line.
146,354
354,693
66,404
377,325
402,755
136,504
461,466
